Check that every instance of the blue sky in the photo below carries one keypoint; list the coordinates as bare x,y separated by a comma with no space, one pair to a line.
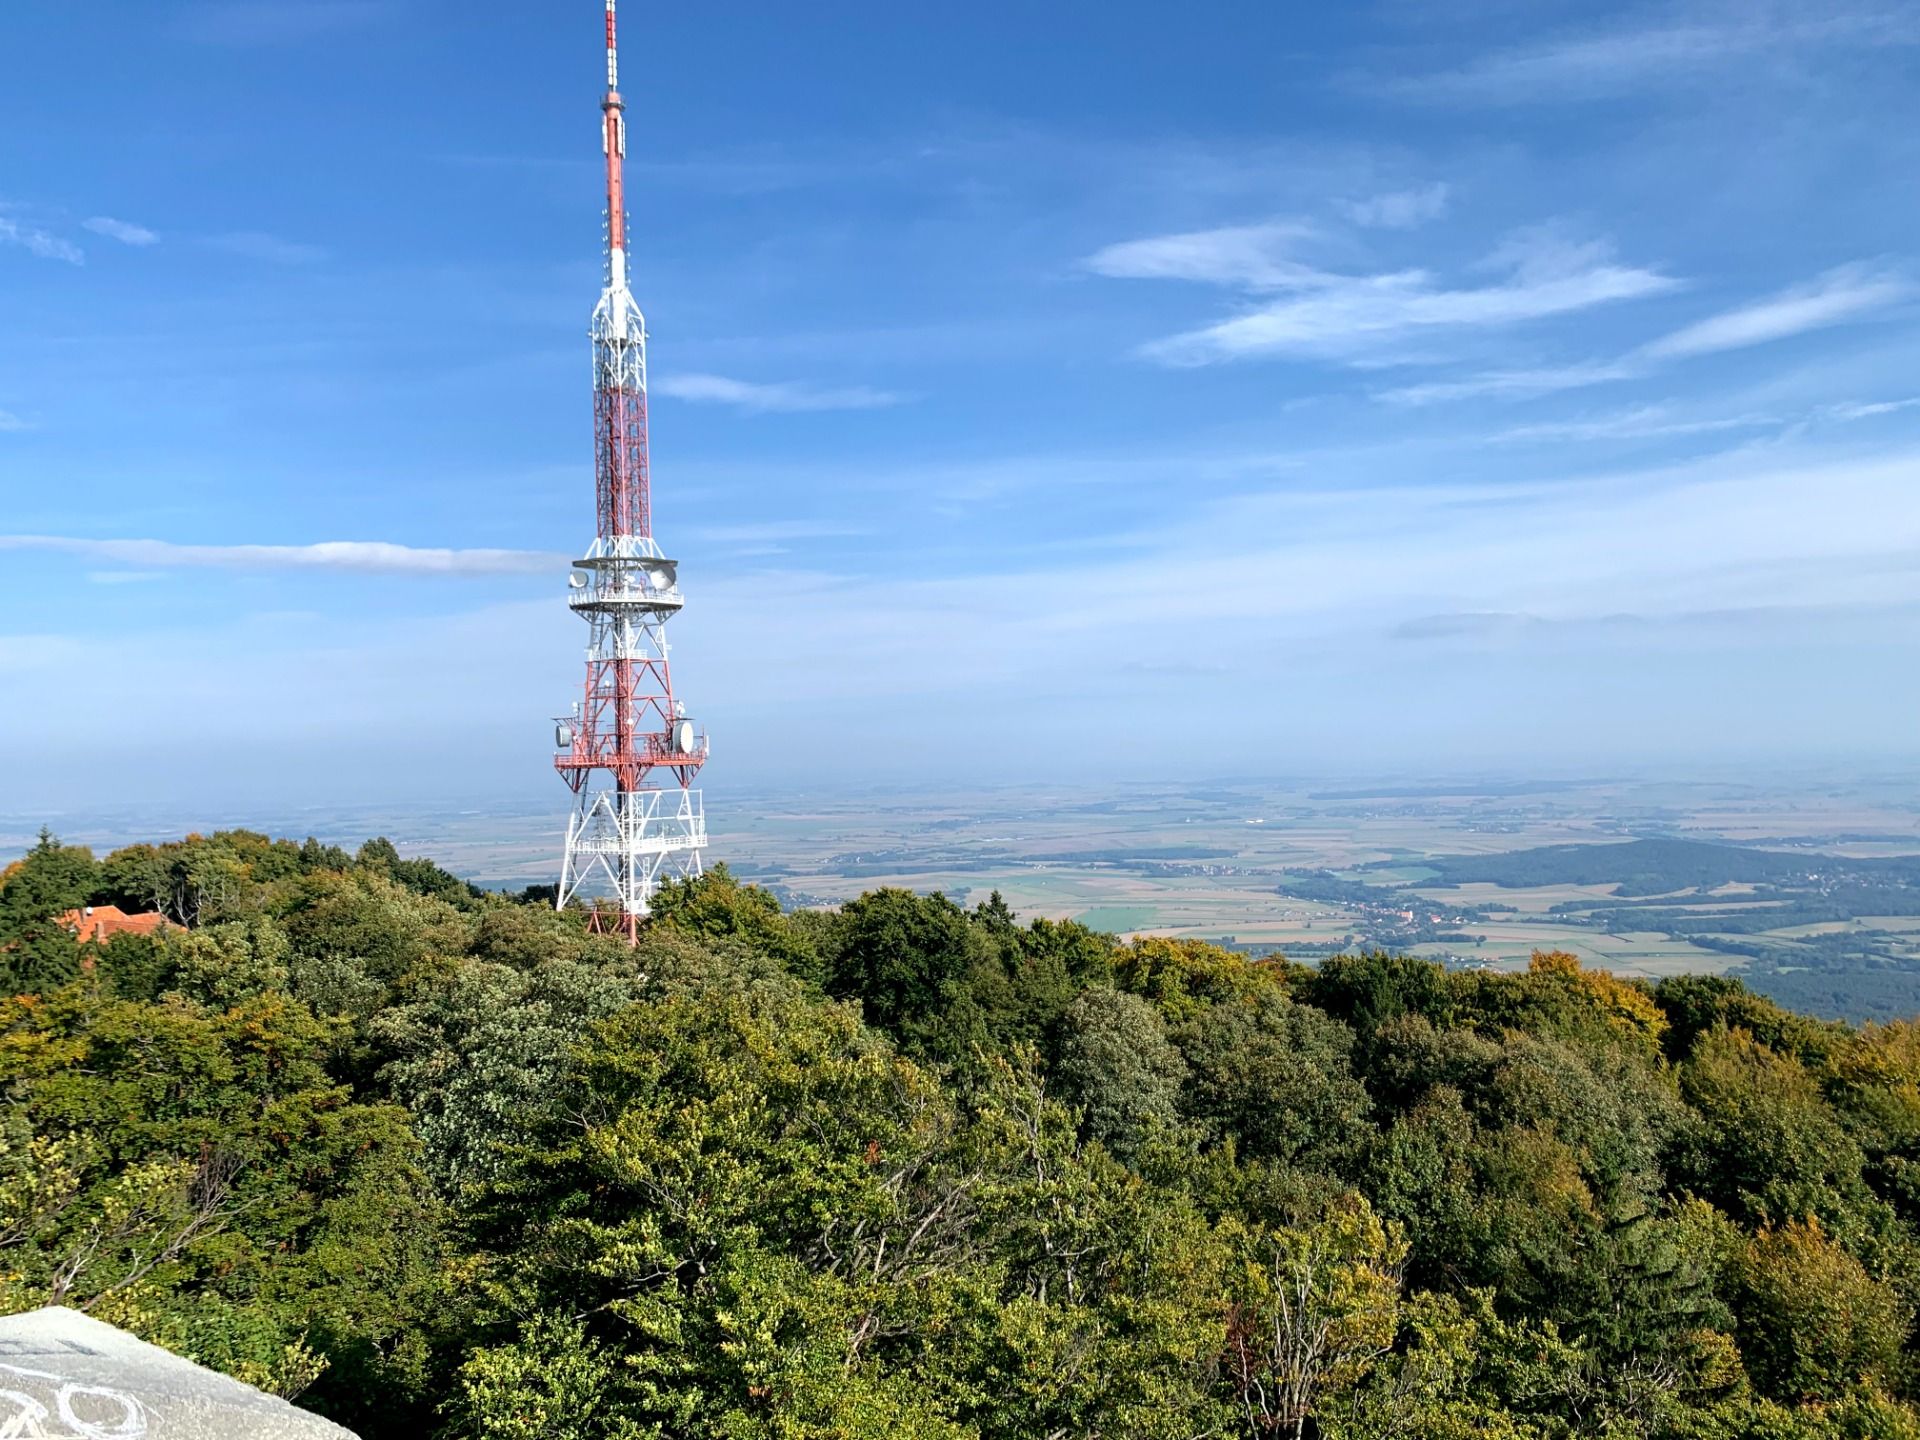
1069,390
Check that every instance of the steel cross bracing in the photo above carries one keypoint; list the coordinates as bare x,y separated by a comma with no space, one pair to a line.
628,751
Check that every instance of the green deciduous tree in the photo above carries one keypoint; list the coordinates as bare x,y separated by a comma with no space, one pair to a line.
1183,977
1764,1145
1117,1064
1313,1310
478,1058
1275,1076
194,1174
1813,1323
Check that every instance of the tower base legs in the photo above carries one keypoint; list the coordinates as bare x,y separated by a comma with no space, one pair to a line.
622,846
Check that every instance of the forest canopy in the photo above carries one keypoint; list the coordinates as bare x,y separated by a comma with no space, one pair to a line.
434,1161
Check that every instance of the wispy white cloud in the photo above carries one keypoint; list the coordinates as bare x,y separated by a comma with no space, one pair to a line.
1582,67
36,241
1598,64
1510,384
257,245
1398,209
785,396
1647,422
1867,409
280,22
1730,532
1843,294
11,422
1250,256
1848,292
125,231
367,557
1349,316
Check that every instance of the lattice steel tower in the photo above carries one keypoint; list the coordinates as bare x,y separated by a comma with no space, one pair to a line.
630,829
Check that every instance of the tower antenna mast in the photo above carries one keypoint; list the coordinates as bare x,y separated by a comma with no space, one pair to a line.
629,752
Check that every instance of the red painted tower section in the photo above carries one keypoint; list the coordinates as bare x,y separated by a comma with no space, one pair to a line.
619,410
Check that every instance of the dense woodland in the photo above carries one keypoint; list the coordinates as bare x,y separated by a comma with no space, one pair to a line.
437,1162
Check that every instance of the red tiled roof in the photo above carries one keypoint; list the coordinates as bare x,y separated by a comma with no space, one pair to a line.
100,923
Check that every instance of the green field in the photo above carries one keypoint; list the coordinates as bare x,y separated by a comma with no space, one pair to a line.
1121,919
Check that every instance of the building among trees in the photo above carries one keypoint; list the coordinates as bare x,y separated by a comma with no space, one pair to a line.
97,924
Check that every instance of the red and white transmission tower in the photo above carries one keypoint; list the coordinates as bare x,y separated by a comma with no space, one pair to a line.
631,828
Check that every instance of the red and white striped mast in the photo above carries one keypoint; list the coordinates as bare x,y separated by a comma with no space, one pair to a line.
628,751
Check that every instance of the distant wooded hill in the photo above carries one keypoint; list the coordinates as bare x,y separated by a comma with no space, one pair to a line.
1659,867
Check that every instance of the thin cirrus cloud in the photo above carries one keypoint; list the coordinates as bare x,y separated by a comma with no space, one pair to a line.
1869,409
11,422
1518,384
42,243
125,231
1251,257
1325,314
1582,67
1842,295
1603,64
1719,533
1646,423
1848,292
1359,314
1650,422
778,396
365,557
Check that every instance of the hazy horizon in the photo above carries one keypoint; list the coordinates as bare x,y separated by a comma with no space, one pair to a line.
345,818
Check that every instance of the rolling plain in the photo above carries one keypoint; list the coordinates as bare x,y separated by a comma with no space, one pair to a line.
1302,867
